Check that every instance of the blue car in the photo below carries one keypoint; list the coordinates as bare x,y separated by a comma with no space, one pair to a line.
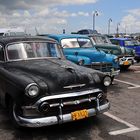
80,50
128,43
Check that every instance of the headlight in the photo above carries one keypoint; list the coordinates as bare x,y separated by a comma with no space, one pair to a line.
116,60
81,62
133,52
32,90
107,81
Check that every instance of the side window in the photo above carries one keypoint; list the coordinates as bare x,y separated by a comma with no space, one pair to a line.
116,42
1,53
70,43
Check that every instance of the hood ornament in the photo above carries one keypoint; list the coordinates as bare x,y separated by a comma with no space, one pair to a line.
74,86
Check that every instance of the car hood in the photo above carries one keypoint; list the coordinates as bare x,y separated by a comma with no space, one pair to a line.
115,49
56,74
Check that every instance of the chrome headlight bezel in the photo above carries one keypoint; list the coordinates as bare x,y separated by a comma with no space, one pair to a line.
32,90
81,62
107,81
116,59
134,52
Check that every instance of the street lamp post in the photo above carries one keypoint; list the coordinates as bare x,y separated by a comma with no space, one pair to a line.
94,14
110,20
117,28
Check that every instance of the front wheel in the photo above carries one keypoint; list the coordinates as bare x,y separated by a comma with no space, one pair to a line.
124,67
112,79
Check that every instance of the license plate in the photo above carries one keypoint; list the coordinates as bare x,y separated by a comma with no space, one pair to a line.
126,63
80,114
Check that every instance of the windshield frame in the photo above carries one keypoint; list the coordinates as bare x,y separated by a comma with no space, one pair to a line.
35,58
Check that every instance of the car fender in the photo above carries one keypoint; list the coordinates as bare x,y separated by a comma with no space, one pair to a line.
14,84
78,58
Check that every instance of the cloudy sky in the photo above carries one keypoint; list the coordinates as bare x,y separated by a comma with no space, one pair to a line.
52,16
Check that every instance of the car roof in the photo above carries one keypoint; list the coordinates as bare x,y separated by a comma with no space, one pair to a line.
10,39
62,36
120,39
91,35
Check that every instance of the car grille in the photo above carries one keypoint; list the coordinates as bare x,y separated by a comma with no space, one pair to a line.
104,67
67,105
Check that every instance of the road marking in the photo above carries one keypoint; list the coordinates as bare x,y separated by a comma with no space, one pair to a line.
122,131
135,66
136,71
128,83
133,87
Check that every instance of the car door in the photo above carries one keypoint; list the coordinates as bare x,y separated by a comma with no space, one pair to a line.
87,49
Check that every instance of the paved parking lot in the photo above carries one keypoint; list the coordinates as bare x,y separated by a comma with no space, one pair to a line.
121,122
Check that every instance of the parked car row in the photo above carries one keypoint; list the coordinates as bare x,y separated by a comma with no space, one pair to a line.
80,50
125,55
128,54
128,43
52,79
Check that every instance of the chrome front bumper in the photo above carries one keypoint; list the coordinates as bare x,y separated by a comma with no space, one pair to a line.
61,118
123,60
112,73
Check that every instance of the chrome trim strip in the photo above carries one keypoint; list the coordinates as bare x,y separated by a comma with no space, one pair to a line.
115,73
74,102
63,118
68,95
73,86
129,58
27,87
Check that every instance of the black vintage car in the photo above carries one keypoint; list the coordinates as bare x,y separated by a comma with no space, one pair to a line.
40,87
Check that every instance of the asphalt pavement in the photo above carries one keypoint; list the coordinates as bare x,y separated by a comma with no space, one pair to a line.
121,122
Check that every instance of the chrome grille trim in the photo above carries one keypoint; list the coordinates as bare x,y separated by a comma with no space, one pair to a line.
75,102
74,86
102,66
68,95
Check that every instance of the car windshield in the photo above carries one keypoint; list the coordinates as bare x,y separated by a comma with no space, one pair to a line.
136,42
76,43
28,50
129,43
1,34
101,40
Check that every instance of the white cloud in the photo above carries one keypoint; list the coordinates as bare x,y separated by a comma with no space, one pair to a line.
16,14
135,12
35,4
80,13
42,14
131,22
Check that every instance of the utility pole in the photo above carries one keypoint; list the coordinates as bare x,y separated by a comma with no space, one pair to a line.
94,15
109,21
